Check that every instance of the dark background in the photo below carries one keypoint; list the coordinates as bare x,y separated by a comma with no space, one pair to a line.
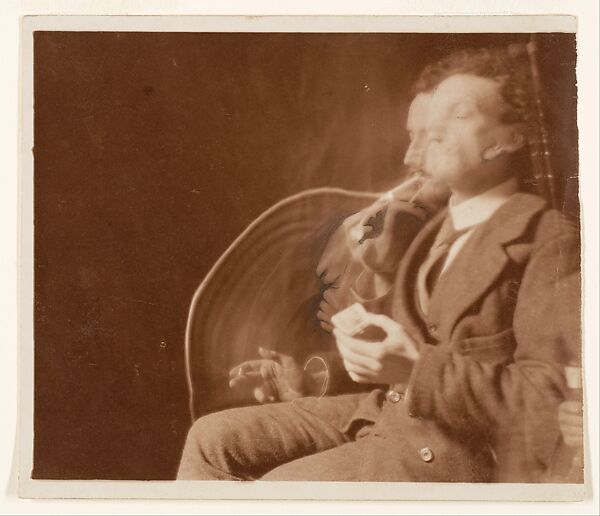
153,151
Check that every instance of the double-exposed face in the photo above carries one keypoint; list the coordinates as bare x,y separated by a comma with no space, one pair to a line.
457,134
416,125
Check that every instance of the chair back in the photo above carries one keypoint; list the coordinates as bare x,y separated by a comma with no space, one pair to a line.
263,291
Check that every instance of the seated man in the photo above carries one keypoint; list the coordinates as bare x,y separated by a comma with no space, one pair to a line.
475,341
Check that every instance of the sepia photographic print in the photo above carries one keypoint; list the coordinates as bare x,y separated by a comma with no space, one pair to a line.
343,253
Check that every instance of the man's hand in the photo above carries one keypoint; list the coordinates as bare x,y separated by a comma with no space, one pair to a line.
336,256
331,303
570,419
387,361
379,238
274,377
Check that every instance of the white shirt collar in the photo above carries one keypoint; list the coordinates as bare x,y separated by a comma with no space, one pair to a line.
480,208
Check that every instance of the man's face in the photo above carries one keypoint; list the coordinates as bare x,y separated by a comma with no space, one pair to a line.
464,131
431,192
416,125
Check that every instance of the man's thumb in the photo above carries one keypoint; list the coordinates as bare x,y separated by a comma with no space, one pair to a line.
269,354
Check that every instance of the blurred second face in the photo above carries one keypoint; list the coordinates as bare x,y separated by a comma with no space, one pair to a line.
432,193
416,125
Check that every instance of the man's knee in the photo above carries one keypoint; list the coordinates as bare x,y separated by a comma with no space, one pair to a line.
211,446
213,433
247,442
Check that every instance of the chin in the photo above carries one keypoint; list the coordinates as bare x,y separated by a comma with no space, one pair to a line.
436,187
439,178
446,174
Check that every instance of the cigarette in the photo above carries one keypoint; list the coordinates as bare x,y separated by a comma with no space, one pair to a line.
409,184
416,194
358,233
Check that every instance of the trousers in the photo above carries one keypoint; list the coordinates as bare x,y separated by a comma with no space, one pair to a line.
305,439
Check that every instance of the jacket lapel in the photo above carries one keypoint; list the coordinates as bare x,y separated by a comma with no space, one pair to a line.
404,309
482,260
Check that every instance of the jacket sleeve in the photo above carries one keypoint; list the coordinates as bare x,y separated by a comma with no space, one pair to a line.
515,399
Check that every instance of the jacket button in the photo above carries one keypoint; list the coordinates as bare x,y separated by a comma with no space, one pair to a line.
393,396
426,454
432,329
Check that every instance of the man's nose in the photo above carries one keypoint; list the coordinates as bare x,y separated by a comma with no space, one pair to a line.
414,155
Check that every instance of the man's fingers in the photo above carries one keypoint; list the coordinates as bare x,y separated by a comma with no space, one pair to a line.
395,332
262,396
262,389
236,371
264,393
269,354
345,341
573,420
391,327
572,436
571,407
245,367
356,346
325,325
325,312
574,442
359,378
325,320
245,381
328,296
330,278
362,360
355,368
276,356
572,431
323,315
267,370
327,308
570,413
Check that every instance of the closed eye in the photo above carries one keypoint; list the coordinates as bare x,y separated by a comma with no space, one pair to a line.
463,110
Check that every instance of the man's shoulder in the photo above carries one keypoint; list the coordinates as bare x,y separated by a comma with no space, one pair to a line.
551,238
554,225
540,221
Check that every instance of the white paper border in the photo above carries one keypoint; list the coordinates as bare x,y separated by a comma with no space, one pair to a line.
335,24
25,214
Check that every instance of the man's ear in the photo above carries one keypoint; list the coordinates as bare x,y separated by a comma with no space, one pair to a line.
513,139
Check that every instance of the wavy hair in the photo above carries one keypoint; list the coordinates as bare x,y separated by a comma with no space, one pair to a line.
507,68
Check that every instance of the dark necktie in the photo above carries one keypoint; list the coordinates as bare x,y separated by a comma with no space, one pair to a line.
431,269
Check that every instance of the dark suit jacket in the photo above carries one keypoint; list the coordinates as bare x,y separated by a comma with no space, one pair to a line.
503,322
